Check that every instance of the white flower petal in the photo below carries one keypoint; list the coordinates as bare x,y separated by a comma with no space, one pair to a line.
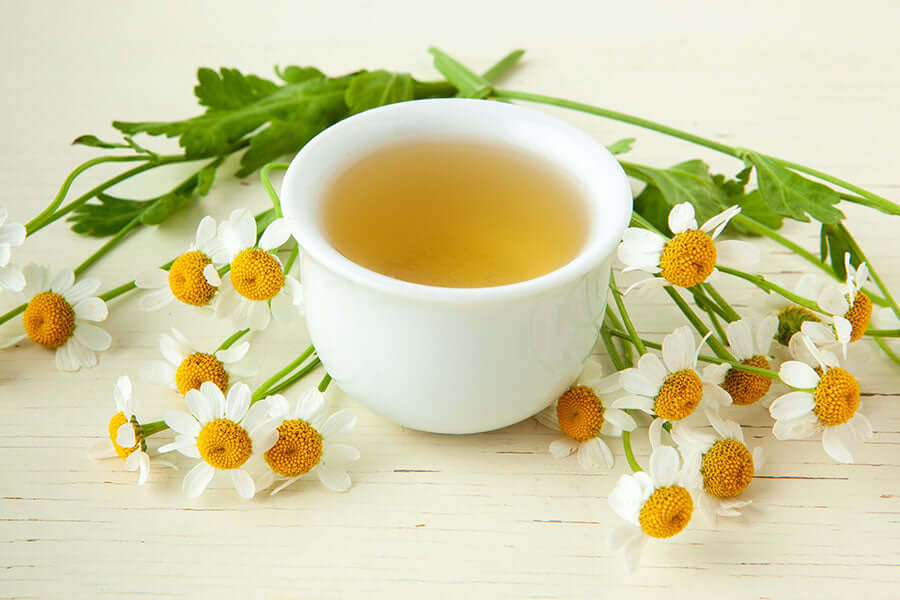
549,417
206,231
215,398
792,405
197,479
714,397
798,375
259,315
839,443
737,253
12,278
635,382
62,282
310,405
740,338
81,290
678,349
861,426
133,460
620,419
664,465
36,280
621,535
653,369
102,450
682,218
243,483
634,402
626,498
820,333
633,550
715,374
12,234
123,392
144,467
832,300
6,342
238,402
759,458
259,413
91,309
183,423
654,432
92,337
152,280
339,454
234,353
276,234
125,435
563,447
278,407
765,333
199,405
283,308
340,422
212,275
155,300
800,428
647,284
65,358
593,454
334,479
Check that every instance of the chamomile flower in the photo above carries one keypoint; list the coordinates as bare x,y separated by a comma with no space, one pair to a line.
256,287
691,256
791,316
582,414
849,305
57,316
750,343
719,466
192,279
126,436
306,444
223,434
186,368
655,504
826,400
670,389
11,235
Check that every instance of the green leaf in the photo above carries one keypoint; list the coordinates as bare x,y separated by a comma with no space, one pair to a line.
835,242
468,83
295,74
229,88
95,142
621,146
791,195
372,89
753,206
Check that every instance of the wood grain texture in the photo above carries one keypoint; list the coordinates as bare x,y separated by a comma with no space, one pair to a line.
486,516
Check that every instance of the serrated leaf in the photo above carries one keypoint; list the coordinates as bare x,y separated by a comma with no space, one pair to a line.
621,146
295,74
281,138
372,89
791,195
107,217
754,207
834,243
229,88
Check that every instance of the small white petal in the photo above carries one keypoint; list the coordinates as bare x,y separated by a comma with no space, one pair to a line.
647,284
279,407
635,382
206,231
340,422
243,483
125,435
12,234
36,280
91,309
152,280
198,404
158,372
283,308
65,359
549,417
92,337
654,432
182,423
594,453
634,403
155,300
144,467
861,426
832,300
197,479
800,428
212,275
259,316
12,278
234,353
679,349
798,375
215,398
62,282
740,338
653,369
765,333
333,478
633,550
792,405
340,454
715,374
681,218
259,413
563,447
310,405
133,461
276,234
664,465
759,458
838,443
620,419
81,290
264,437
123,392
238,402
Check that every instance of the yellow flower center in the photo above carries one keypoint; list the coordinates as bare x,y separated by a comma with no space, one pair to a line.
837,397
859,315
197,368
256,274
666,512
789,322
187,281
688,259
679,395
49,320
224,444
298,449
727,469
580,413
746,388
117,421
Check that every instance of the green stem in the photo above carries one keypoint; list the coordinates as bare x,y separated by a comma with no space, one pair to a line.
705,302
267,183
625,349
760,229
629,453
868,198
12,313
623,312
228,343
262,390
883,333
109,245
326,381
292,257
854,247
714,319
767,286
500,68
701,328
611,349
148,429
731,315
312,366
64,189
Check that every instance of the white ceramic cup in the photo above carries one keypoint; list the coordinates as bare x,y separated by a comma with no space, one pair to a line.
454,360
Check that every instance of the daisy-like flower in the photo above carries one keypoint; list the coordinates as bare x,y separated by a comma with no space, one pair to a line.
186,368
223,434
691,256
720,466
750,343
256,287
657,505
306,443
583,413
791,317
849,305
126,436
192,279
11,235
57,316
826,399
671,389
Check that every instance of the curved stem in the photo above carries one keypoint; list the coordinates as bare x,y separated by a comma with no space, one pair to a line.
228,343
262,390
292,257
67,184
623,312
767,286
701,328
629,453
611,349
312,366
267,183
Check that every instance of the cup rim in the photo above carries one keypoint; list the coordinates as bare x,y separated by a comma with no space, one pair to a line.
607,191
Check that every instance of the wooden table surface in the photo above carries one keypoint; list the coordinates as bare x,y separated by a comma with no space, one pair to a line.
486,516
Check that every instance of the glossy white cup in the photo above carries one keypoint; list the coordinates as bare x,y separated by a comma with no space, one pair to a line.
454,360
